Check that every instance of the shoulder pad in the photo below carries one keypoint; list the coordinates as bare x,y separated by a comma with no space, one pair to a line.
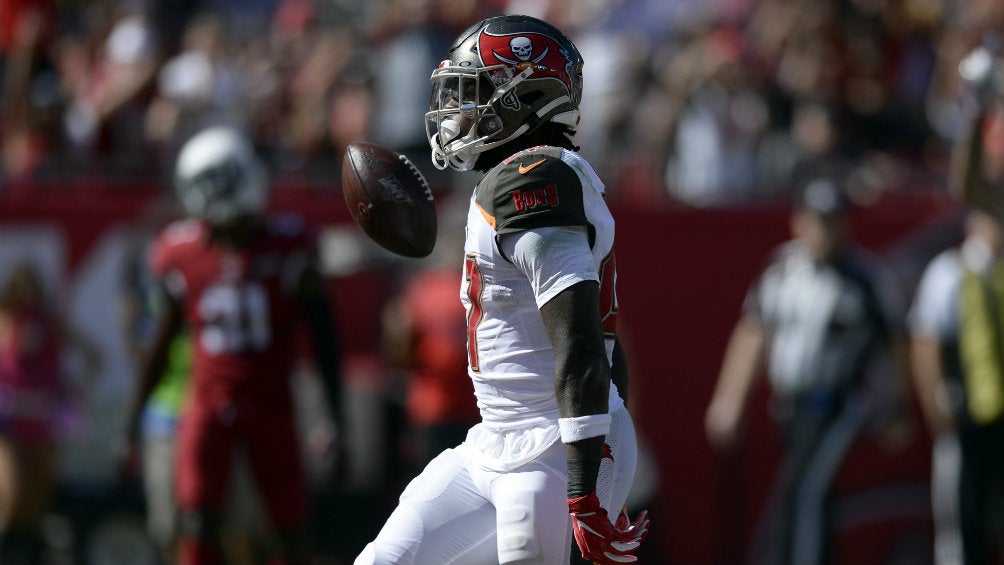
532,189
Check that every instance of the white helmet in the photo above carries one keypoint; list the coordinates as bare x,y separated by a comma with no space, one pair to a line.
218,176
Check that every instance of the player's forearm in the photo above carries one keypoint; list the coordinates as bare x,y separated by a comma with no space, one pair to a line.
741,365
581,370
583,460
582,384
582,387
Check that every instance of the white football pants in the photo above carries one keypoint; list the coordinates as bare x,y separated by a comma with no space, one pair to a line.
458,513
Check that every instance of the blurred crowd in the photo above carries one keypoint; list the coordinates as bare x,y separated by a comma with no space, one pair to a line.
708,102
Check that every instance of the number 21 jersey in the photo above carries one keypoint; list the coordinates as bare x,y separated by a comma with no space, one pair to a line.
240,306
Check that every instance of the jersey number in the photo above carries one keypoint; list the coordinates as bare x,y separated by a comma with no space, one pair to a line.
475,286
236,319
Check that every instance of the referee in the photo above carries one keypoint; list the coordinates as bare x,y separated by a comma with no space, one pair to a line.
816,316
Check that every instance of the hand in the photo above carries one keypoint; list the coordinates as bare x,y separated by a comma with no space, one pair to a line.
600,541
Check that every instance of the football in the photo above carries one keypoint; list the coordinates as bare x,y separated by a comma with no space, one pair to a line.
389,199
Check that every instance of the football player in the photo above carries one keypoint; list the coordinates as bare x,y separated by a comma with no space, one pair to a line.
238,279
538,287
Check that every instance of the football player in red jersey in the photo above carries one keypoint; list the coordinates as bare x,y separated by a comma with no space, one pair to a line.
239,280
538,287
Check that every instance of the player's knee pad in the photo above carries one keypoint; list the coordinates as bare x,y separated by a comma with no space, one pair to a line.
517,534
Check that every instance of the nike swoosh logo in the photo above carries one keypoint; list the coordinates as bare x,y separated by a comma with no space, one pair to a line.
524,169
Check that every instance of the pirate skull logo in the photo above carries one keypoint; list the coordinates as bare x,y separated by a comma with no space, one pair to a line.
521,47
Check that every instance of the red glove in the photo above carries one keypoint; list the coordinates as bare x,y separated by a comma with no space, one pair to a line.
600,541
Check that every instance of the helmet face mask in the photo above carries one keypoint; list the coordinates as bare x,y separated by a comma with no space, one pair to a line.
219,178
461,118
505,77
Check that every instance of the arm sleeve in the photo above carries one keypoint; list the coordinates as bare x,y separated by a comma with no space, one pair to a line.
552,258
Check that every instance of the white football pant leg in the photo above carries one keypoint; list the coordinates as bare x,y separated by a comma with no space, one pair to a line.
533,523
440,518
444,516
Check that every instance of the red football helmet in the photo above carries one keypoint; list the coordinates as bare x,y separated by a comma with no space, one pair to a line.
504,77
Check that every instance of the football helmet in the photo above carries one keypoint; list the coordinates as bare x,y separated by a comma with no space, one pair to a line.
505,77
219,177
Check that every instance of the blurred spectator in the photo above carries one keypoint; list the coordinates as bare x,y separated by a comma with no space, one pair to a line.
959,375
406,38
28,85
819,314
978,159
199,87
323,101
406,47
712,104
109,97
34,397
718,129
350,108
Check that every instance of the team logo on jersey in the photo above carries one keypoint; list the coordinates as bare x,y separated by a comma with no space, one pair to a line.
525,200
607,453
524,169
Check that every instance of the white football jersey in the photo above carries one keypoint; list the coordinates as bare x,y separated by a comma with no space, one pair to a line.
511,360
